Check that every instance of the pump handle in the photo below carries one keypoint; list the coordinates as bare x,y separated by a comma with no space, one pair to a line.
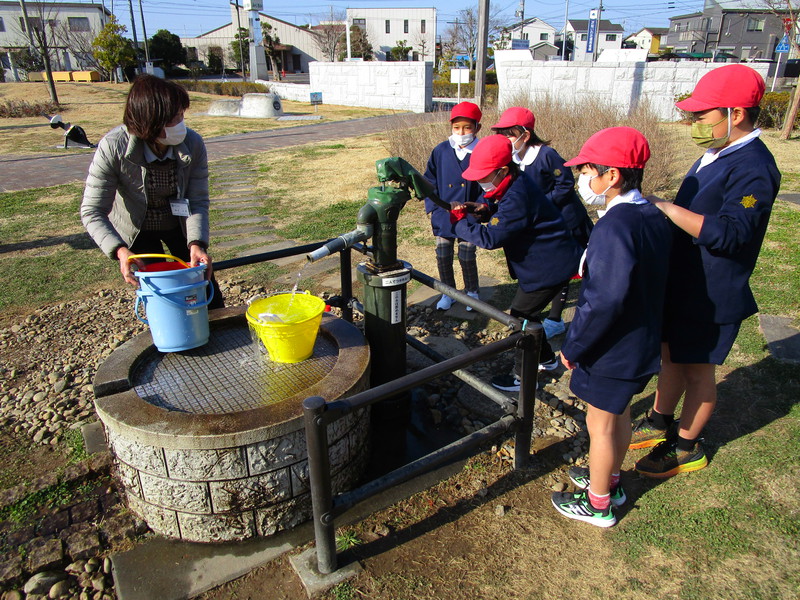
397,169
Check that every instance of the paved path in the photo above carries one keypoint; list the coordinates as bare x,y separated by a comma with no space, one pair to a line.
21,172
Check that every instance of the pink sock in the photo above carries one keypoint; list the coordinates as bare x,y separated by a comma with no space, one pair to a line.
599,502
614,480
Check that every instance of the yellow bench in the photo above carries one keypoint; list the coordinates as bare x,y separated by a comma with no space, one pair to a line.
35,76
61,75
85,76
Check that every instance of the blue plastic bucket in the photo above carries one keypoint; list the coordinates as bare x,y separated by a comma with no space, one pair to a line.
173,295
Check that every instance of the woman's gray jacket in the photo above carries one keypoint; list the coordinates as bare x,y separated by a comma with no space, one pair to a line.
114,200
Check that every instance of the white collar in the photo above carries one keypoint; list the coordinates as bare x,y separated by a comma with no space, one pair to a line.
151,156
632,197
530,155
713,154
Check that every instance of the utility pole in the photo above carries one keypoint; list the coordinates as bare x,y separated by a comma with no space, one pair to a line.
144,33
238,32
483,40
564,40
133,31
597,31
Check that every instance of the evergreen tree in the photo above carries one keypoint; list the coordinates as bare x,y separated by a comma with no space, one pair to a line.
111,49
167,46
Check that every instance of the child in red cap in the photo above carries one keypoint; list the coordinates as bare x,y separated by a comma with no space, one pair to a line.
539,161
527,226
719,219
447,162
613,343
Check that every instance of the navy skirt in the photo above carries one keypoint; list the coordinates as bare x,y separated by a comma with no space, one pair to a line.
606,393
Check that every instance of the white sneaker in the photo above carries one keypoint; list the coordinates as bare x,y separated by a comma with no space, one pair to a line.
444,303
475,295
551,365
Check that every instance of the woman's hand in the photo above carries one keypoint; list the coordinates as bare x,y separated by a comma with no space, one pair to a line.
198,256
126,266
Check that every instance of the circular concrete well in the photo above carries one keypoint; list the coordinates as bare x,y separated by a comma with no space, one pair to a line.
210,443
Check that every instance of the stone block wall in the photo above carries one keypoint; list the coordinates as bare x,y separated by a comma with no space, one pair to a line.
234,493
620,84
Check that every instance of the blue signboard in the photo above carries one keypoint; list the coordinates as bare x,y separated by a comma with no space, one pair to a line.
316,97
783,46
520,44
592,32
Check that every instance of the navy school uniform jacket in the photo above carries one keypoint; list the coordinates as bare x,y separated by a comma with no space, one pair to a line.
558,184
444,172
709,276
616,331
539,250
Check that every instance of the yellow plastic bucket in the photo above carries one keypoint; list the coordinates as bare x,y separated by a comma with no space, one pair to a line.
291,339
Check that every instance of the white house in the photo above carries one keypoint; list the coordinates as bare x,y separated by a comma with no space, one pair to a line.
609,37
387,26
648,38
298,45
534,31
70,28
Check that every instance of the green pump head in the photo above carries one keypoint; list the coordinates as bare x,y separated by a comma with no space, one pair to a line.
398,171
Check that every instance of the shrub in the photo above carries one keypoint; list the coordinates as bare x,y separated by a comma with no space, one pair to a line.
442,89
773,110
21,108
228,88
566,124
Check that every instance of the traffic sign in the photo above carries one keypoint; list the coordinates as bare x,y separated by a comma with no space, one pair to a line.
783,46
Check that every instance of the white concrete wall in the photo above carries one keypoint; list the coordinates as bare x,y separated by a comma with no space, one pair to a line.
403,86
290,91
382,42
621,84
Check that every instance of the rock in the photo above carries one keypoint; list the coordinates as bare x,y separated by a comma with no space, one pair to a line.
99,583
76,567
559,487
84,543
42,582
59,589
10,569
107,565
92,565
500,510
44,555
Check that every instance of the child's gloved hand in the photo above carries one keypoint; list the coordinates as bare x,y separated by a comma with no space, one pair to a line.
457,214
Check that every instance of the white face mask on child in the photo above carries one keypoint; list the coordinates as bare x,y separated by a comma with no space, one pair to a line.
462,140
586,192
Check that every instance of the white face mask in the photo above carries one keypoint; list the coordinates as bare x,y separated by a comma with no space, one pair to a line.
462,140
585,190
174,135
517,153
489,186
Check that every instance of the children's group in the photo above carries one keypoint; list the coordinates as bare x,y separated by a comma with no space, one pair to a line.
664,285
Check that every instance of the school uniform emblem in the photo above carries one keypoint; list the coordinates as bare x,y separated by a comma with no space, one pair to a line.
557,172
749,201
494,221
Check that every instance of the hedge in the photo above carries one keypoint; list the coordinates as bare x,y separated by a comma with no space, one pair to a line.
228,88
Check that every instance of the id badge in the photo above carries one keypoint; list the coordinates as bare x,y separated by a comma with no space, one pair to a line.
179,208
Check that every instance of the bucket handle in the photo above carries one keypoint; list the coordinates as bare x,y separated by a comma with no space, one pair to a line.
133,257
176,290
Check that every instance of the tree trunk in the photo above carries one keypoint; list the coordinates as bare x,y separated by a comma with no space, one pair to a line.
791,115
47,68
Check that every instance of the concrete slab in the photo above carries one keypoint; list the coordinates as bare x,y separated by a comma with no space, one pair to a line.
94,437
233,212
783,340
247,241
235,222
246,230
789,197
316,583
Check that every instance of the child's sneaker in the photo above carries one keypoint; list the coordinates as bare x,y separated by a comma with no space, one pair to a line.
666,460
506,383
646,435
577,506
550,365
553,328
444,303
475,295
579,476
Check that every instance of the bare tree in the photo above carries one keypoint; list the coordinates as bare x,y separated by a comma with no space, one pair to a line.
331,39
39,19
77,43
789,12
421,44
462,34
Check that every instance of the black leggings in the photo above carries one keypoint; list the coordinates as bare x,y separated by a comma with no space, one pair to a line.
528,305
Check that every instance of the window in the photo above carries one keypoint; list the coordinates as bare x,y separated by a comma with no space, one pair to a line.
2,25
360,23
524,36
405,26
422,26
584,37
543,37
611,37
78,23
388,26
755,24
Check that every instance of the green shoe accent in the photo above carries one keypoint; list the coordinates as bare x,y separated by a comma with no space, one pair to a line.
579,476
577,506
665,460
645,435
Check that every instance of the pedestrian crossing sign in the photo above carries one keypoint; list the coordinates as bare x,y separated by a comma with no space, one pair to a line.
783,46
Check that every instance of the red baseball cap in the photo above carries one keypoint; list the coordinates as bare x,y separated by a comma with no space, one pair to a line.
725,87
491,153
516,116
467,110
621,147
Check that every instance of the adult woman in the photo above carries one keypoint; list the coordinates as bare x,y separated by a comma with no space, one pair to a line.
148,183
527,226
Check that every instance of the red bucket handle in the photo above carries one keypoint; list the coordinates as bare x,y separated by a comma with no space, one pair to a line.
133,257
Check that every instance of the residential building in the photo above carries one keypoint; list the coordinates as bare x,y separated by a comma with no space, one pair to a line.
387,26
728,29
648,38
534,31
298,45
609,36
69,27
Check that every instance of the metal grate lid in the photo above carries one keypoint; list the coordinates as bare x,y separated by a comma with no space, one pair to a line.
231,373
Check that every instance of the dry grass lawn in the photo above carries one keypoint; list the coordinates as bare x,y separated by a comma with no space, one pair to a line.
97,107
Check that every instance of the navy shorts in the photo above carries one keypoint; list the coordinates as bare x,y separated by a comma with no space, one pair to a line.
606,393
698,342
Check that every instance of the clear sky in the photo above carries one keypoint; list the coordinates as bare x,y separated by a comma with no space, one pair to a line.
188,18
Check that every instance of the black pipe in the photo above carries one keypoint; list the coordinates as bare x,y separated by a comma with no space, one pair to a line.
484,388
531,346
346,279
264,256
482,307
422,465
